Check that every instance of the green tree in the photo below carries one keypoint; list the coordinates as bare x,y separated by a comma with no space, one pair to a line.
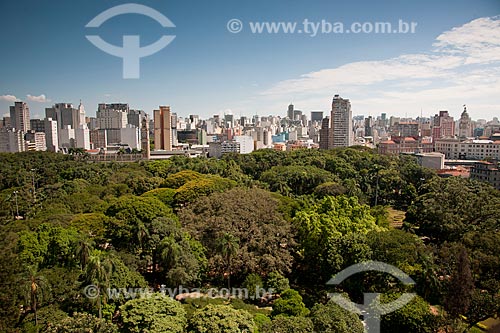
82,322
47,246
329,189
277,282
416,317
221,319
156,313
228,246
461,287
131,223
253,283
178,179
265,238
331,235
289,304
483,305
36,285
181,258
451,207
283,324
204,186
331,318
295,179
165,195
98,273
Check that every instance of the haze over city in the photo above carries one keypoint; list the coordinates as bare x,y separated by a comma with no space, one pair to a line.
449,60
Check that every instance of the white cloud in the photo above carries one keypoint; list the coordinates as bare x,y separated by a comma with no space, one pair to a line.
39,99
463,66
478,41
8,98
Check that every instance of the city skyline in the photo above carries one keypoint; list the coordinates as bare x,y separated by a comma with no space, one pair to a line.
452,59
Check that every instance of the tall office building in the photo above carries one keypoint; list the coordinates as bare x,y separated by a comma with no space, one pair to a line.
112,116
290,112
316,116
20,116
341,122
65,115
163,128
369,126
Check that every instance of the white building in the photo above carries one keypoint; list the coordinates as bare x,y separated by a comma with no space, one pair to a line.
455,149
131,136
431,160
111,116
11,141
246,143
82,137
67,137
35,141
51,135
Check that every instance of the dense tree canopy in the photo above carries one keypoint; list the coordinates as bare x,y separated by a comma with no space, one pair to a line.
250,215
277,223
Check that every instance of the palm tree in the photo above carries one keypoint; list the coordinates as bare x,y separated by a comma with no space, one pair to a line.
98,272
35,285
228,245
83,251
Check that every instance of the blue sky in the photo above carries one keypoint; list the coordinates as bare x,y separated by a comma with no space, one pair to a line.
451,60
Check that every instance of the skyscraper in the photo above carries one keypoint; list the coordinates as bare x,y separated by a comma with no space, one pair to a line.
163,128
341,122
316,116
20,116
290,113
325,137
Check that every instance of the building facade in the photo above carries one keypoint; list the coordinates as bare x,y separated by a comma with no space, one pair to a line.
163,128
341,122
20,116
456,149
486,172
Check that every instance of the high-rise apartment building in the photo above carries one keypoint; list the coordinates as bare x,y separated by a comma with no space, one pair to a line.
341,122
20,116
163,128
51,136
444,126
